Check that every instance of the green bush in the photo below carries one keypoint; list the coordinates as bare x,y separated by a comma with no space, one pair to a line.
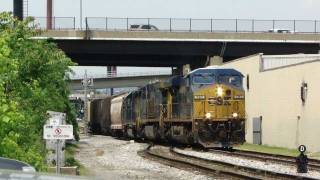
32,80
72,162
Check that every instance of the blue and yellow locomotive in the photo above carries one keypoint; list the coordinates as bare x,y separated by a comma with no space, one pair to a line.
206,107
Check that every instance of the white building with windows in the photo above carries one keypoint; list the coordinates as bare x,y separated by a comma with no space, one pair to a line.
282,99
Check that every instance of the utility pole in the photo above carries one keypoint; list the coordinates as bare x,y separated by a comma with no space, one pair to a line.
81,14
86,83
85,86
49,14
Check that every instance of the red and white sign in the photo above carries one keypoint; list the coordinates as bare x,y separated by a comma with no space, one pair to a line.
58,132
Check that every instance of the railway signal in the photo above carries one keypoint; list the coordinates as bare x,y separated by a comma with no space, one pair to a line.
302,160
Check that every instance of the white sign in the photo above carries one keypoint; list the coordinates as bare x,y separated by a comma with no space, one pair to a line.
58,132
54,121
56,118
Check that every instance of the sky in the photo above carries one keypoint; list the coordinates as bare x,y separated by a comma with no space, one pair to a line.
224,9
251,9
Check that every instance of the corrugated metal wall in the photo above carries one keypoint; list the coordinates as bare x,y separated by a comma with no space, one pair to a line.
279,61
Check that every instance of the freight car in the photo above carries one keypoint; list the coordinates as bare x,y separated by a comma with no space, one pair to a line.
99,115
206,107
116,112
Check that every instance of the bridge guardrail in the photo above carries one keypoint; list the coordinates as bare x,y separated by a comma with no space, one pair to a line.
58,23
185,24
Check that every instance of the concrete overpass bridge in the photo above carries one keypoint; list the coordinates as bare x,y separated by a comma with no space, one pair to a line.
120,81
173,47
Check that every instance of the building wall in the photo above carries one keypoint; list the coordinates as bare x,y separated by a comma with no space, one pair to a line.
275,95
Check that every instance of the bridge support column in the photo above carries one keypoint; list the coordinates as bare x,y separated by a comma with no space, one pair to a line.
111,72
214,61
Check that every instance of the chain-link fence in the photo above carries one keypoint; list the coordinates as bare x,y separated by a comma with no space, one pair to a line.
56,23
183,25
203,25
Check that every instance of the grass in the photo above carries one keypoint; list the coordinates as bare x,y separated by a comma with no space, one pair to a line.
268,149
70,150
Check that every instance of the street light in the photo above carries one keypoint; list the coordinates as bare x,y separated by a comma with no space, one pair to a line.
81,14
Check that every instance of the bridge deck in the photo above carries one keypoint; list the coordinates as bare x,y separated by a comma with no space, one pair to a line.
183,36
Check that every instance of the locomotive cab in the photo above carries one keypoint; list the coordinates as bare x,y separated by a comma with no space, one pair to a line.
218,106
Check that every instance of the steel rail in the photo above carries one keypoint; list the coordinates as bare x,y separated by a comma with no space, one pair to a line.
182,163
255,171
313,164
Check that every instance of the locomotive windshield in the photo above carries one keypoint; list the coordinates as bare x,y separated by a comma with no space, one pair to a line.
230,79
204,78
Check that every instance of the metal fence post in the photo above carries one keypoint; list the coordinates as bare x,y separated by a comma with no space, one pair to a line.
127,23
273,24
58,167
294,26
87,28
236,25
211,24
252,24
149,24
190,24
170,24
54,22
74,22
106,23
315,26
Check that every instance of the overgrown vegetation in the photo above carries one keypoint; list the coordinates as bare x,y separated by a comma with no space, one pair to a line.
71,161
32,81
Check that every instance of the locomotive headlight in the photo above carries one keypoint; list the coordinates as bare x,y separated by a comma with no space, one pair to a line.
219,91
208,115
234,115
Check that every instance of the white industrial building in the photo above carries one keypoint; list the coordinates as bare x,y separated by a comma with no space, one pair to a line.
282,99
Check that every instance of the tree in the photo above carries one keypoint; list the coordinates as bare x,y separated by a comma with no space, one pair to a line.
32,80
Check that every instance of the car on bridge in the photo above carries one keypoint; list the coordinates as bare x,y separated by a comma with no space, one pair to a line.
281,31
143,27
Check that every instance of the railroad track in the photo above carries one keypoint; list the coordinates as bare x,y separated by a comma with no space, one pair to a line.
216,169
313,164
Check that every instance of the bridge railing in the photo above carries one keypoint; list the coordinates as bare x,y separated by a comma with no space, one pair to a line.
185,25
206,25
58,23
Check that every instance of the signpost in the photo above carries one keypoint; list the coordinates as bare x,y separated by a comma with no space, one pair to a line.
57,132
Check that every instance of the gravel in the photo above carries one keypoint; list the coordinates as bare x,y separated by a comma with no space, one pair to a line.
251,163
108,158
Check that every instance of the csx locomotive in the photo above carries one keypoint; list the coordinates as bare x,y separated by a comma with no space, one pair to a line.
206,107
